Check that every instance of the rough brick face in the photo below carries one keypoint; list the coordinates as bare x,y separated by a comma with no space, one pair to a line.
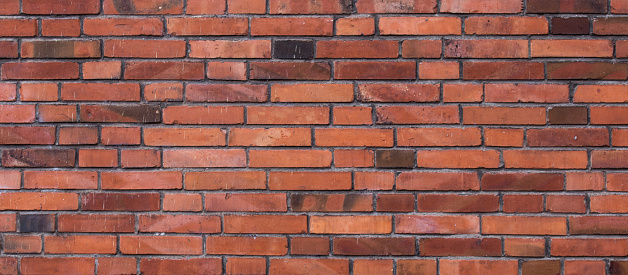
313,137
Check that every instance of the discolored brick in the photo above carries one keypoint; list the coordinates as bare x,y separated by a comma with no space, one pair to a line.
36,223
394,158
293,49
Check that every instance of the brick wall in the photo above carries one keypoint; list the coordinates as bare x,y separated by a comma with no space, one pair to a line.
314,136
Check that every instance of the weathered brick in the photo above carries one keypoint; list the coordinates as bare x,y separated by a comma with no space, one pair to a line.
294,49
143,7
61,49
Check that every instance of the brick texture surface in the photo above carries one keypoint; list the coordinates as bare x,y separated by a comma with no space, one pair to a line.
314,137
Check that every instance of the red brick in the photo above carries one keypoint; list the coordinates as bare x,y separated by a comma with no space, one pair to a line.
61,27
184,137
102,70
318,266
398,93
480,6
439,70
478,267
236,266
566,204
350,224
503,70
196,26
247,6
522,181
27,135
395,203
61,49
608,114
309,181
182,202
40,70
60,7
120,136
181,266
309,246
374,180
353,115
409,267
225,180
100,92
141,180
374,246
524,225
38,92
144,48
10,7
446,114
589,247
142,158
404,6
290,158
8,224
120,201
8,49
292,26
437,181
458,158
512,25
265,224
300,7
10,179
486,48
522,203
460,247
245,202
179,224
597,225
203,115
574,267
230,49
504,115
45,201
524,247
503,137
354,137
420,26
608,159
165,245
60,265
457,203
122,26
96,223
543,93
163,92
609,204
346,49
287,115
366,266
39,158
18,27
463,93
585,181
610,26
221,245
203,7
374,70
169,70
421,48
355,26
22,244
568,137
227,70
80,244
204,158
143,7
312,93
571,48
60,180
98,158
439,137
545,159
408,224
616,182
290,70
601,93
587,70
331,202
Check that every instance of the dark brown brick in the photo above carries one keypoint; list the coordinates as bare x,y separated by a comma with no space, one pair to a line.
395,202
144,113
290,70
294,49
587,70
37,223
568,115
618,268
331,203
567,6
120,202
38,158
374,246
460,247
540,268
61,49
394,158
571,25
522,181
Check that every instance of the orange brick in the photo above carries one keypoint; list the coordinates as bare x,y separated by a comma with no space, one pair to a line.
226,70
355,26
